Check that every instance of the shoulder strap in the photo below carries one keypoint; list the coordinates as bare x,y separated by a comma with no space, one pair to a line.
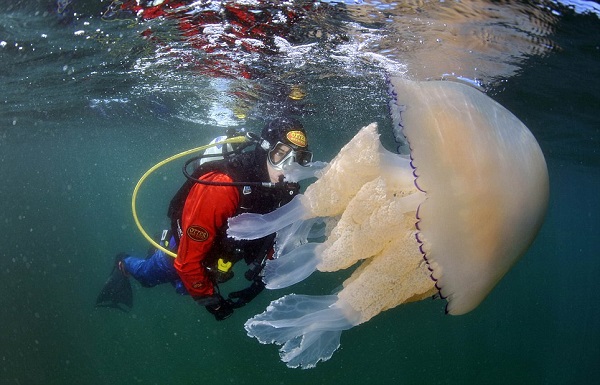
175,210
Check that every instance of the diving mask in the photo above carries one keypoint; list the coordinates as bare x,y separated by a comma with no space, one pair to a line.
283,155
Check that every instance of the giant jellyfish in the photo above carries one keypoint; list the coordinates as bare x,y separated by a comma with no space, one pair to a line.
450,218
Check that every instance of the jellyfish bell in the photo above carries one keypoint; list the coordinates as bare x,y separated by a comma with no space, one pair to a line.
486,183
453,218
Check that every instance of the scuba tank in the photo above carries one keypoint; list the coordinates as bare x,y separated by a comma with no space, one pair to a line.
217,150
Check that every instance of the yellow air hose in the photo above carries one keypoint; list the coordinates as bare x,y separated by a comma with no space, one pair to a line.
236,139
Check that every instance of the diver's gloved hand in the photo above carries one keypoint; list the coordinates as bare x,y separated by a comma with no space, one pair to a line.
246,295
208,300
219,307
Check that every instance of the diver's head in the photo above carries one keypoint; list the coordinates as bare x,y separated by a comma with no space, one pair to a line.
284,141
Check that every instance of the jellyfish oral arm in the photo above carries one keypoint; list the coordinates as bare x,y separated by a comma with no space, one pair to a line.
307,327
293,267
254,226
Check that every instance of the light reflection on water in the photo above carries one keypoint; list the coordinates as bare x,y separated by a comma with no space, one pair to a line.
120,56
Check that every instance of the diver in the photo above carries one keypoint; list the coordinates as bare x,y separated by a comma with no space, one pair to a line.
240,182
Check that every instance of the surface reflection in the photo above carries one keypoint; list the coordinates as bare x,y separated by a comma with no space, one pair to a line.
480,40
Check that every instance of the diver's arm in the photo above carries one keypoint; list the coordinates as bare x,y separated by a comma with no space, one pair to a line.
206,210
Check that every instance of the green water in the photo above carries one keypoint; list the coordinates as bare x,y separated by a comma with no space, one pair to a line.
79,124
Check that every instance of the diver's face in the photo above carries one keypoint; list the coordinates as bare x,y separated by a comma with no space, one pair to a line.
274,174
276,159
282,156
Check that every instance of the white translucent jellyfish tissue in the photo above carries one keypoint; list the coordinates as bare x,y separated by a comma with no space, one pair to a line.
295,173
453,219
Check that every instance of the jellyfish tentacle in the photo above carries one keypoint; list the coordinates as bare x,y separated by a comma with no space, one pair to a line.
307,327
254,226
296,172
292,267
296,234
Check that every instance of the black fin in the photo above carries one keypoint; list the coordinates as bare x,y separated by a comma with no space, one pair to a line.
116,292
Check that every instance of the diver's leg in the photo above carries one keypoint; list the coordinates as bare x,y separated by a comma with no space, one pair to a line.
152,271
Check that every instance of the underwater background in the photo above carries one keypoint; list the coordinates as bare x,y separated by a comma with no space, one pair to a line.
93,93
